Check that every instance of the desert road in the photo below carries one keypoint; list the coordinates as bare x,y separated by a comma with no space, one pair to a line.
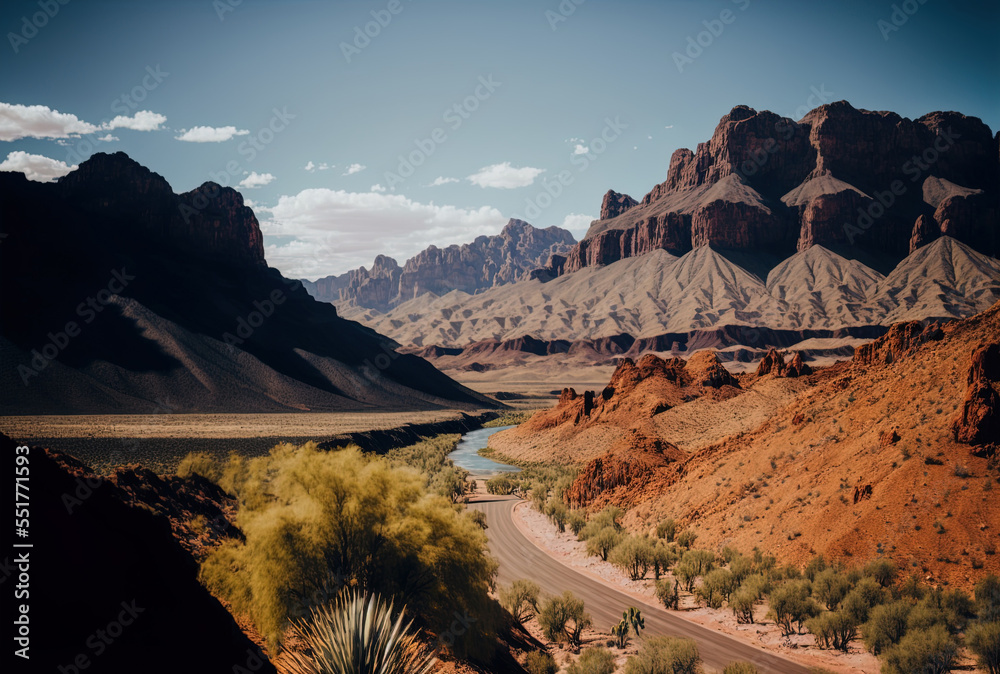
520,558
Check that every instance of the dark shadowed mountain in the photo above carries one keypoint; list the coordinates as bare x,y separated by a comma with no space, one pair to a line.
120,295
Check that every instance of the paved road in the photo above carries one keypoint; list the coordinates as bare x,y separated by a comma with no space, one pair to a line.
520,558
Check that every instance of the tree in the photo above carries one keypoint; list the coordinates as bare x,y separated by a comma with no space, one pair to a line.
882,570
790,604
608,518
987,593
686,574
451,483
983,639
716,587
664,557
866,595
593,661
667,529
665,655
564,618
741,567
633,555
686,538
577,521
501,485
603,542
814,567
702,561
668,592
928,651
742,604
520,598
830,587
886,626
557,512
832,629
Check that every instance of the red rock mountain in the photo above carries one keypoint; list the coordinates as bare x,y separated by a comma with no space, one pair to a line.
855,181
487,262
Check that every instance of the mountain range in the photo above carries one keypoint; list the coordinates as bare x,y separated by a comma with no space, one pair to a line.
122,296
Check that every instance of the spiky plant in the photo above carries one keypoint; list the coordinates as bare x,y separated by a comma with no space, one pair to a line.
358,634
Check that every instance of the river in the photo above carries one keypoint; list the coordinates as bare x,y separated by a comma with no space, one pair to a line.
466,455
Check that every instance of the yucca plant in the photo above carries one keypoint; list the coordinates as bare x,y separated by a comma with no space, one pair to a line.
358,634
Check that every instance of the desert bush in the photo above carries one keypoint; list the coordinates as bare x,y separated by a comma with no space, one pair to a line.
716,587
863,597
564,618
501,485
358,634
832,629
595,660
882,570
520,598
886,626
987,593
740,668
557,512
983,639
664,557
814,567
791,605
758,584
912,588
601,543
686,574
449,482
668,592
742,603
930,651
686,538
200,463
608,518
665,655
310,515
741,567
667,529
830,587
633,555
540,662
577,521
478,517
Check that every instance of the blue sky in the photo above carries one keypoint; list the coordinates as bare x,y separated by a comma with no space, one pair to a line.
255,92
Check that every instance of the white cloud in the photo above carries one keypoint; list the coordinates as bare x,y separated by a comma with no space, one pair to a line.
39,121
326,167
577,223
331,231
649,138
257,180
210,134
310,167
669,126
35,166
441,180
249,203
377,187
505,176
354,168
581,149
144,120
107,138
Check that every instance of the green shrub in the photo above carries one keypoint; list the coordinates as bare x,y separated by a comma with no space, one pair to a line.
664,557
358,634
520,598
540,662
886,625
830,587
882,570
310,516
740,668
791,605
665,655
666,530
200,463
930,651
668,592
557,512
742,603
814,567
633,555
863,597
686,538
564,618
594,661
608,518
741,567
987,594
832,629
577,521
716,587
601,543
983,639
501,485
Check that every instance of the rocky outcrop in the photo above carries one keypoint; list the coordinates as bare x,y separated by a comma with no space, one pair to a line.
837,176
901,340
978,421
798,367
705,369
772,363
489,261
111,566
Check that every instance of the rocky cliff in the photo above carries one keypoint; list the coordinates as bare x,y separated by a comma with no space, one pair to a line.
487,262
864,183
